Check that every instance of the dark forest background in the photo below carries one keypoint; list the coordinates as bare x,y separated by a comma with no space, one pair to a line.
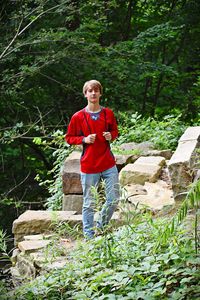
144,52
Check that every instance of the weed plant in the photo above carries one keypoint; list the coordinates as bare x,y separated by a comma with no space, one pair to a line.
129,263
124,265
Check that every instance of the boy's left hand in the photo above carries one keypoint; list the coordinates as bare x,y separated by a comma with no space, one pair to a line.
107,135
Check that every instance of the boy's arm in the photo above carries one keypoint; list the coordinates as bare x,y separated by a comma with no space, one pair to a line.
74,135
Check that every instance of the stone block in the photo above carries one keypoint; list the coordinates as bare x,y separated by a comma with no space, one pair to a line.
157,195
72,202
142,170
37,237
130,190
38,222
150,160
183,165
185,153
25,267
32,246
191,133
123,159
142,147
71,174
167,154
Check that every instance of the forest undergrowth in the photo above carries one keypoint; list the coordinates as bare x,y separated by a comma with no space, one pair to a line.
147,258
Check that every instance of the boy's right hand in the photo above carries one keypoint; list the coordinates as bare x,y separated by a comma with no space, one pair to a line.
90,139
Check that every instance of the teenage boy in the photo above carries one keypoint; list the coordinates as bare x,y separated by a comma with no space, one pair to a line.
94,127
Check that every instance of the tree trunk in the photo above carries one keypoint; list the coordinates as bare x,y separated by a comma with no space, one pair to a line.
128,20
147,85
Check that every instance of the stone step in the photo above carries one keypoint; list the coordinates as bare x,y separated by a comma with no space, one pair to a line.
142,170
31,246
40,222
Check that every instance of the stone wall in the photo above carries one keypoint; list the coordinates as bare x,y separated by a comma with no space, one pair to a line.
72,190
147,180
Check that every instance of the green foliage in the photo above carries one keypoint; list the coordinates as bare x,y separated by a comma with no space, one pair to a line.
3,245
164,134
145,53
5,253
191,201
54,186
124,265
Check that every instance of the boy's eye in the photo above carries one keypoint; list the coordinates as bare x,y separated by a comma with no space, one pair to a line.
91,90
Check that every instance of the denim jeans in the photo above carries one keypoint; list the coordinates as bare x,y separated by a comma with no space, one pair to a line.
110,177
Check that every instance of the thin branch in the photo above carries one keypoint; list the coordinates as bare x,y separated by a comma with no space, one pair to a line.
18,33
24,133
16,186
52,79
43,127
12,41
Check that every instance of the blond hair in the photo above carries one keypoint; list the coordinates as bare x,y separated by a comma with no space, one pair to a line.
92,83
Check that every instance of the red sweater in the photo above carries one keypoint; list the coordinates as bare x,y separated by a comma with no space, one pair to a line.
96,157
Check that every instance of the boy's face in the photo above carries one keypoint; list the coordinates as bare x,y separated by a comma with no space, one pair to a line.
93,94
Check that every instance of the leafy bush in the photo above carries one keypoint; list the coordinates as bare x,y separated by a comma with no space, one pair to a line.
54,186
125,265
164,134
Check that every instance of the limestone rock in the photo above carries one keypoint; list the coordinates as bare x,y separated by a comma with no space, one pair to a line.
37,237
185,153
191,133
16,276
15,253
72,202
185,162
157,195
167,154
37,222
42,261
130,190
142,170
30,246
71,174
123,159
142,147
25,267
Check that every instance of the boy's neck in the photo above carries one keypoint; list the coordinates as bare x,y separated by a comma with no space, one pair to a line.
93,107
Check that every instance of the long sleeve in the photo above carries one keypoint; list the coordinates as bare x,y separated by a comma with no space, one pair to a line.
113,127
96,157
74,135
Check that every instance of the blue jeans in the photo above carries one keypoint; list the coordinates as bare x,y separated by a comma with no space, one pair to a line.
110,177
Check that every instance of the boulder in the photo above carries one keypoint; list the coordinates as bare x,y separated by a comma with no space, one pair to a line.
154,195
131,190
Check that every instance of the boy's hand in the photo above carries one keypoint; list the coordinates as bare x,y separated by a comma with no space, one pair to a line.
107,135
90,139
